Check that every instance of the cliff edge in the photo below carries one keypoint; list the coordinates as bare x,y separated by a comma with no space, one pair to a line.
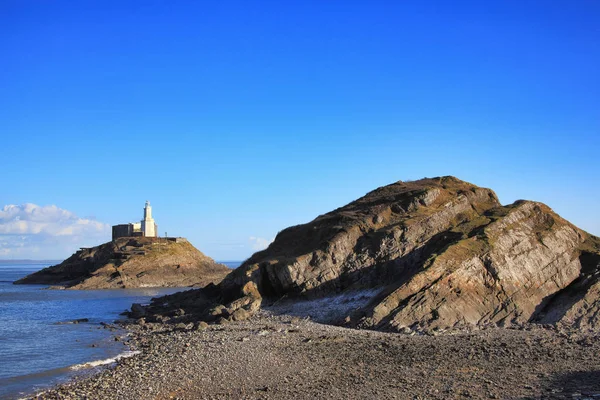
133,262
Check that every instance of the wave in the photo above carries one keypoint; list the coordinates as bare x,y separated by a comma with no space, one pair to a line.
33,383
98,363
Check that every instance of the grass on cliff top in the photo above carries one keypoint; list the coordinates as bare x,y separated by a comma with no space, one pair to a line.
404,192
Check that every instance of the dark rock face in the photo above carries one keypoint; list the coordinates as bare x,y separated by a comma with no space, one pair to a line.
432,254
131,263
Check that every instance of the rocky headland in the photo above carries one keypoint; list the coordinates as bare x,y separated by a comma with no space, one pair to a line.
132,263
425,255
460,296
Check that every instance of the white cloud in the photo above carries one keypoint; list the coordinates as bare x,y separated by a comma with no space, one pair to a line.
259,243
32,231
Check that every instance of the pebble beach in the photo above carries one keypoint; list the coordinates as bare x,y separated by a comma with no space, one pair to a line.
273,356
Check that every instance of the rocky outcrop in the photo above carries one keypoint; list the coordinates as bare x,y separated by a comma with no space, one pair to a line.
431,254
131,263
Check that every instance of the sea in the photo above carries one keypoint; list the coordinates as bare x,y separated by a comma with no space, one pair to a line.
40,346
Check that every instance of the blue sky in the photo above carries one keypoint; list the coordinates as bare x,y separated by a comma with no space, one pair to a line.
238,119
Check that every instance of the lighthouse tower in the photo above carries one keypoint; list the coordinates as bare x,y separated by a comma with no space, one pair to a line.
149,228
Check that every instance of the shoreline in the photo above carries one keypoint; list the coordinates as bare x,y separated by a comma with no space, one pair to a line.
274,356
47,333
114,346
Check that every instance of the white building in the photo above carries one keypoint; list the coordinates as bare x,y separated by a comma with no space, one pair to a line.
146,227
149,227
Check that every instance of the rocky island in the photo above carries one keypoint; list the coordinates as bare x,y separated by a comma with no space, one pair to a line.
132,262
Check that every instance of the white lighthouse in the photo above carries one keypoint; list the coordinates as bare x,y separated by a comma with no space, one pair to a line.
146,227
148,224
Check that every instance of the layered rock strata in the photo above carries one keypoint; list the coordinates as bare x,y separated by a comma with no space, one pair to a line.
431,254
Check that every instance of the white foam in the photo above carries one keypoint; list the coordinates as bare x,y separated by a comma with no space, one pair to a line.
98,363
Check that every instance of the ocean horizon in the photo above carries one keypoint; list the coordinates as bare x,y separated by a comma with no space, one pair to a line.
40,346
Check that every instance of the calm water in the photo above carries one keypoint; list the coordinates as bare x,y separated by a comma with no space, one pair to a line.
37,351
231,264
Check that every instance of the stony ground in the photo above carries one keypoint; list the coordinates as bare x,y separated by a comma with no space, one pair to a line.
283,357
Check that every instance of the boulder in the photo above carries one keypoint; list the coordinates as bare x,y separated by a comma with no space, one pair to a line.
240,314
137,311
